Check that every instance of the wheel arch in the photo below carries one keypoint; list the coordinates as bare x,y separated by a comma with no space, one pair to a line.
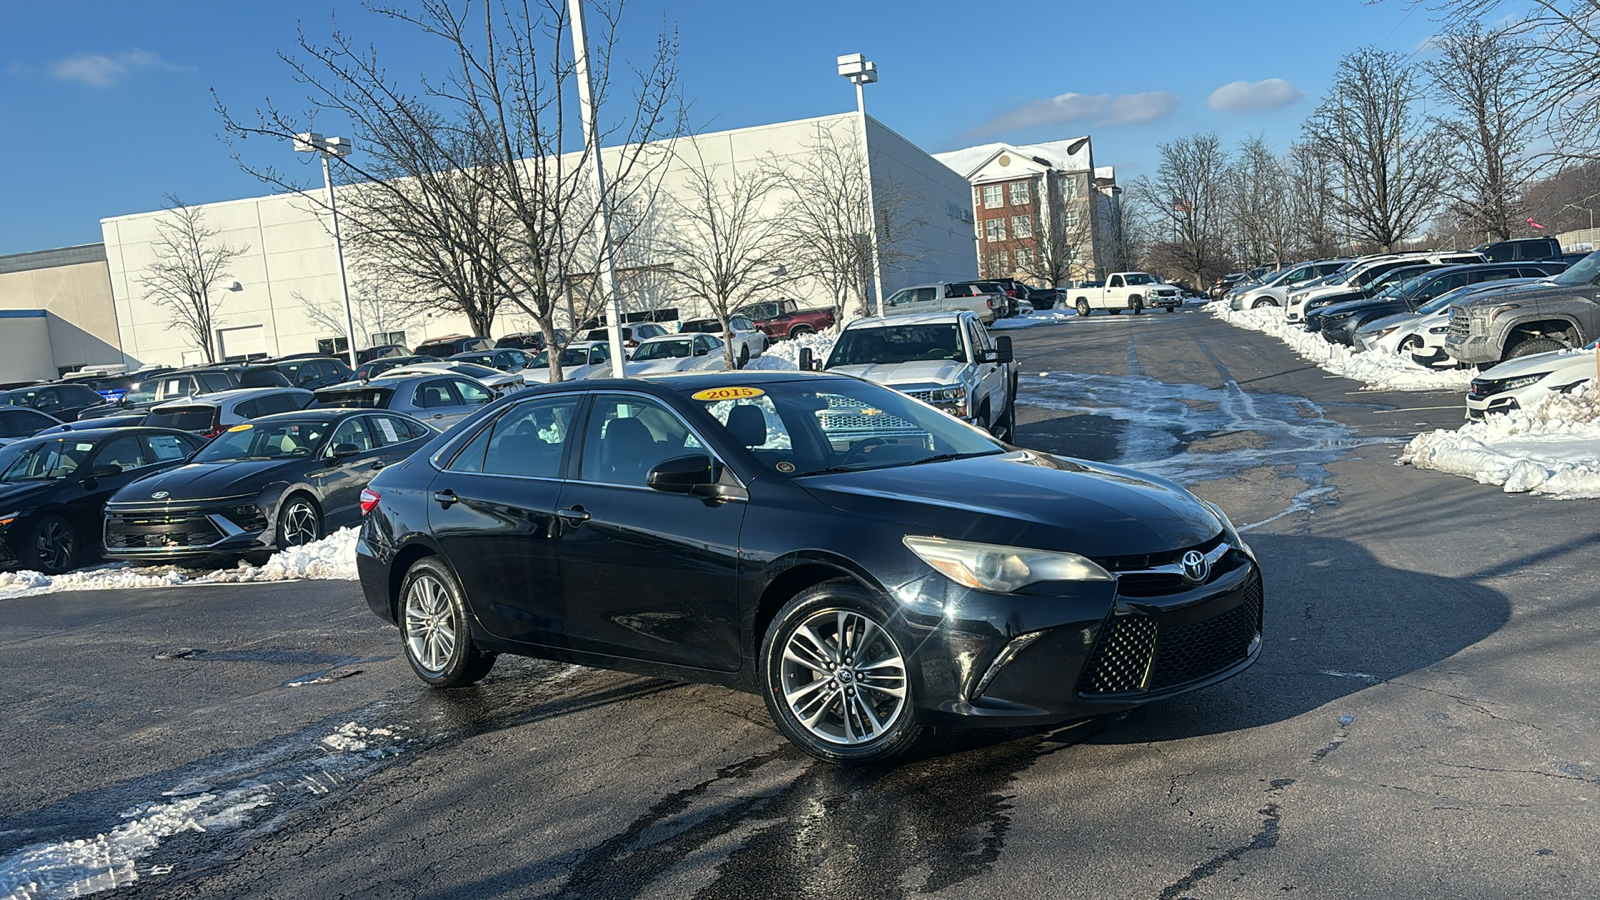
795,573
402,562
1559,327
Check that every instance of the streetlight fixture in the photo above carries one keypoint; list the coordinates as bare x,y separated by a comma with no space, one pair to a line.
312,142
862,72
1587,209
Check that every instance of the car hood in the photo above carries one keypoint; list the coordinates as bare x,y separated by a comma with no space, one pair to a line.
1029,499
1528,293
917,371
1389,321
210,480
21,496
685,364
1577,362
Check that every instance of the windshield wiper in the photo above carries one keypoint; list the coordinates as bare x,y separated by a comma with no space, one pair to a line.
942,457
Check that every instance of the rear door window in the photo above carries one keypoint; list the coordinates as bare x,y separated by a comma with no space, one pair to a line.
436,394
126,452
184,418
529,439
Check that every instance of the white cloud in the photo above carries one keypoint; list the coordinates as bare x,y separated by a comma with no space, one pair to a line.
1254,96
1088,109
99,70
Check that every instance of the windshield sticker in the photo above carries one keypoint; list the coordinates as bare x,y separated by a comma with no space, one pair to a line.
245,427
85,448
785,467
728,393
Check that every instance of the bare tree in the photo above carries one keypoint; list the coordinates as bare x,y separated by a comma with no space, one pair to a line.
188,267
826,219
1311,202
1388,161
499,123
723,236
1486,78
1258,202
1186,207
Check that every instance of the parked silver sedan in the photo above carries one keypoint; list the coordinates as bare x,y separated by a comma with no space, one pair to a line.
439,399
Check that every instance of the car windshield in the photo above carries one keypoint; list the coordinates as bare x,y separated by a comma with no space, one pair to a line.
570,357
1584,271
1405,288
286,438
898,344
811,427
664,350
47,461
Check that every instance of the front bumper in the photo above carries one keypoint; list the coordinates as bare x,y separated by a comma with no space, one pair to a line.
186,532
1094,648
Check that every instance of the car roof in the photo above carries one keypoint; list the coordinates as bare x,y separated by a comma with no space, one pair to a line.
95,434
675,336
218,398
325,412
940,317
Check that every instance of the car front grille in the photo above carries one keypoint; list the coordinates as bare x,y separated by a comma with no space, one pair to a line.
157,531
1137,654
1135,577
1460,328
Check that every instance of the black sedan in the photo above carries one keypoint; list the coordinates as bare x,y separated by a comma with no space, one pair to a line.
277,481
52,489
868,564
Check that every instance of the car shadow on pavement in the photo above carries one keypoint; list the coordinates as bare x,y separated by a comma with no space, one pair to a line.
1337,621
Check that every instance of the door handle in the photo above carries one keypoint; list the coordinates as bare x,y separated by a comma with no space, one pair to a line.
378,464
445,497
574,515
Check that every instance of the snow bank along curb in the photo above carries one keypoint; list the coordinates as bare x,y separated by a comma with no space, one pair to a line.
1378,371
333,557
1551,448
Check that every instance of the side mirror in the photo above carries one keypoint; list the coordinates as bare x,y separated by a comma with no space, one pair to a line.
808,360
1002,349
105,471
682,474
344,451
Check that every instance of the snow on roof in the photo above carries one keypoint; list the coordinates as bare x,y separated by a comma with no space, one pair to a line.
1071,155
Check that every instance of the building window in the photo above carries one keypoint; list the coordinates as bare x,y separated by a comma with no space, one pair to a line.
1024,258
991,196
997,264
1069,187
1021,226
386,338
995,229
1019,193
1069,219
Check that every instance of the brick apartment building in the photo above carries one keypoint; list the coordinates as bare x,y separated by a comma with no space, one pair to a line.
1041,212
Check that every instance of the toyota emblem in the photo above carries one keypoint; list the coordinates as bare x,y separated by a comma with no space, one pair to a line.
160,495
1195,567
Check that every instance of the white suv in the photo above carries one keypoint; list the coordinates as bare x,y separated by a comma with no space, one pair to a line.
945,359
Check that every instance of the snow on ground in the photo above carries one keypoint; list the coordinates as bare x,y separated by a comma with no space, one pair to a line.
786,354
333,557
1553,447
1040,317
1379,371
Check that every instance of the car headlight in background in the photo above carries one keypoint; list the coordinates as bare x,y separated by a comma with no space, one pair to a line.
955,394
1000,569
1512,384
8,518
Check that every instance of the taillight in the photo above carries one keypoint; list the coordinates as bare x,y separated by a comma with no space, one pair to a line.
990,301
208,435
369,500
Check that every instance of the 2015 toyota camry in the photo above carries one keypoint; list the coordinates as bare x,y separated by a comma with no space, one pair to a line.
868,564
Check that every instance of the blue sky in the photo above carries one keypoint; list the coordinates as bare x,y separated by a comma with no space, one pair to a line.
106,106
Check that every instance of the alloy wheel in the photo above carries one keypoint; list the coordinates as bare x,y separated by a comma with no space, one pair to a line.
299,524
843,677
54,546
430,624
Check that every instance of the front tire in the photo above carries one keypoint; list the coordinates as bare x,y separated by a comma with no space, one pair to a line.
1137,305
434,629
1530,346
299,523
835,680
1261,303
52,545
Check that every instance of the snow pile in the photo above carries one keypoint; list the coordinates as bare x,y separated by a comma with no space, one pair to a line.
79,867
1040,317
1379,371
1550,448
786,354
333,557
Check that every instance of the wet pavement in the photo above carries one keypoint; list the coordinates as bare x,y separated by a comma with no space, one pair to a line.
1420,724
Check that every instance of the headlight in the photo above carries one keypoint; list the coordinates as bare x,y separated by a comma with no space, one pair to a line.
1512,384
999,569
1439,329
1228,529
948,395
8,518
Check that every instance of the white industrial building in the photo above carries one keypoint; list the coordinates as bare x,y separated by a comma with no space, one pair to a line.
287,295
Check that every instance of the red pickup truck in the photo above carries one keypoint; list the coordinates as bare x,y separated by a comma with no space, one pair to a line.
784,318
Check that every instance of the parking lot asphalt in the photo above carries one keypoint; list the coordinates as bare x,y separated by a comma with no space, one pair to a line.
1421,723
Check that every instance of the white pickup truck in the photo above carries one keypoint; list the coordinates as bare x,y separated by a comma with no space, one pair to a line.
1135,291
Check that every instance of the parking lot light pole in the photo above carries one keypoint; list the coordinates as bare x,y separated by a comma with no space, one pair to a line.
607,270
861,72
312,142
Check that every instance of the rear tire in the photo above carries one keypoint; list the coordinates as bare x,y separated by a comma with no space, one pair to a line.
799,330
434,628
1083,307
744,355
1530,346
835,680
